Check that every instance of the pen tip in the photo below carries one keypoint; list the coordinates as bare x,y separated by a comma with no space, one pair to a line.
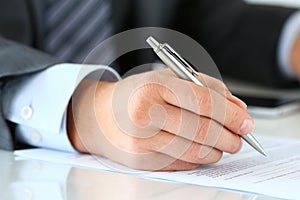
152,42
253,142
262,151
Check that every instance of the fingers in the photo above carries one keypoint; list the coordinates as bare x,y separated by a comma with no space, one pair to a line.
206,102
213,84
238,120
180,165
183,149
237,101
188,150
221,88
199,129
197,123
175,165
164,151
157,161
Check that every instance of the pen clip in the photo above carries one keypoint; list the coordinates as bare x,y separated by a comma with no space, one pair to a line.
181,60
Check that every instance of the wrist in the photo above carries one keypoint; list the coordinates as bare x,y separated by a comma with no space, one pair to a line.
73,134
90,102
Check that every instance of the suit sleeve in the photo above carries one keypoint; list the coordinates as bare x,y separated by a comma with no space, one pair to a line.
241,38
17,61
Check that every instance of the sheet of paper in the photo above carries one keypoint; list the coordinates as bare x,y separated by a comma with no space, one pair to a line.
277,175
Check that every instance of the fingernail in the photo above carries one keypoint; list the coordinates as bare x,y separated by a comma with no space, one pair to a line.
247,126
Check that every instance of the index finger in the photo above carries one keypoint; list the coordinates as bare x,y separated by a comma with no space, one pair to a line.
209,103
221,88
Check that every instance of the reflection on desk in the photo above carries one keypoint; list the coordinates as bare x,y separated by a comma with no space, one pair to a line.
28,179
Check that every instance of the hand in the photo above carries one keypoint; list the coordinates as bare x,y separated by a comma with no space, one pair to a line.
155,121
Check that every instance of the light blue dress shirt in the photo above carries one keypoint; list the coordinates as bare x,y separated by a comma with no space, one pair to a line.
40,103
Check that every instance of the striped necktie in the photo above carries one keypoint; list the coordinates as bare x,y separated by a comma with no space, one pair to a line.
75,27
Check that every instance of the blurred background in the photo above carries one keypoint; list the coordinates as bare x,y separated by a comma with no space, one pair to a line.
287,3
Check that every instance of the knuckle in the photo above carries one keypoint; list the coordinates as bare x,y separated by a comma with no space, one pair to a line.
217,84
205,101
194,157
202,132
138,109
234,120
142,100
198,99
137,114
202,97
222,85
192,154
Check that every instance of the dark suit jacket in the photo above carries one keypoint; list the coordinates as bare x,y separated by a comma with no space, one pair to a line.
241,38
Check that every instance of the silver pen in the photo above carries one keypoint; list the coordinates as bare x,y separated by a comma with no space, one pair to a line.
185,71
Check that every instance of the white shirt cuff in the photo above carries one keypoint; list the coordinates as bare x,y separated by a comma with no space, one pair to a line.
288,37
38,103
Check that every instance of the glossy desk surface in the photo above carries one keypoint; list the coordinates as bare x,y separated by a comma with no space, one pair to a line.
30,179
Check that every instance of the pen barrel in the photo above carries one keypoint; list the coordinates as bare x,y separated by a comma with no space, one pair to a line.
177,67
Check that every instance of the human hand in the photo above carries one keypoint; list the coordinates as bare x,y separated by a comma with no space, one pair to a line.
155,121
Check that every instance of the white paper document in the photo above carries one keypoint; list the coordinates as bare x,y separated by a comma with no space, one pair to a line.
277,175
